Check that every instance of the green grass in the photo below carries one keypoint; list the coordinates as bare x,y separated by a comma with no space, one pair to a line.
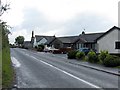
0,69
7,70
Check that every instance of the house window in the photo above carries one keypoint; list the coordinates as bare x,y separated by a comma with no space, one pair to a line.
117,45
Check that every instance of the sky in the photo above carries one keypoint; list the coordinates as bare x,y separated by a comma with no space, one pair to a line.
60,17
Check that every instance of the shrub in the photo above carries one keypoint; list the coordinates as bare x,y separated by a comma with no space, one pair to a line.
72,54
92,57
40,48
80,55
102,55
35,47
86,58
111,61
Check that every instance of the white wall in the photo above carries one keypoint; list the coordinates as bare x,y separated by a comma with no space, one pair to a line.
108,42
42,41
35,43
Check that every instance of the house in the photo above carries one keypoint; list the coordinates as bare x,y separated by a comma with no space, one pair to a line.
88,40
45,40
65,42
110,41
76,42
27,44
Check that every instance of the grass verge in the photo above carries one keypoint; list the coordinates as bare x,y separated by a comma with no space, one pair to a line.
7,69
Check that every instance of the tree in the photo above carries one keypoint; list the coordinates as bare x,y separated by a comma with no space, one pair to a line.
19,40
3,8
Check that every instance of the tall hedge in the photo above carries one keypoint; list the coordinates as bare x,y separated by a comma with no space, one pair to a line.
7,70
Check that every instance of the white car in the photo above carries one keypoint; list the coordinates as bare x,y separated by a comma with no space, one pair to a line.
50,49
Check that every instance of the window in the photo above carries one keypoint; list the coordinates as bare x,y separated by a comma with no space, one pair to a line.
117,45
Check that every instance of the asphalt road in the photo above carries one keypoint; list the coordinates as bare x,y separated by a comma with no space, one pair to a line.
45,70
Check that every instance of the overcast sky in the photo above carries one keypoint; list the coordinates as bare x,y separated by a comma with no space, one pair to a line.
60,17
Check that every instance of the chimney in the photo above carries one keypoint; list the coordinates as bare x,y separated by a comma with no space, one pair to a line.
32,34
83,32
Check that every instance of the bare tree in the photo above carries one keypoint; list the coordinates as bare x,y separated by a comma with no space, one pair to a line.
3,7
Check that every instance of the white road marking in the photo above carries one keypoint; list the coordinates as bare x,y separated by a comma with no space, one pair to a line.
15,62
95,86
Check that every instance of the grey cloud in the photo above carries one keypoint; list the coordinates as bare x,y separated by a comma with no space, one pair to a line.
88,21
34,19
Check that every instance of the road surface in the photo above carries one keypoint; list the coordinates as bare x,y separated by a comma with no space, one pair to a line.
45,70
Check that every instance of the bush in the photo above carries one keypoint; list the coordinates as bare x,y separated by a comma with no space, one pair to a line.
102,55
35,47
72,54
111,61
92,57
40,48
86,58
80,55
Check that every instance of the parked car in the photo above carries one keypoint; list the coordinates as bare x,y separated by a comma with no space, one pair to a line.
52,50
85,50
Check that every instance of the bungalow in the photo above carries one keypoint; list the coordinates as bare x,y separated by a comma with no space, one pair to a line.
76,42
110,41
88,40
65,42
45,40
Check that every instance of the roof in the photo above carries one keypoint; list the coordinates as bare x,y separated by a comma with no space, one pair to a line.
68,39
113,28
90,37
48,38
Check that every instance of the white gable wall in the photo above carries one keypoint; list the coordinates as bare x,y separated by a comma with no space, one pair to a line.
107,42
35,43
42,41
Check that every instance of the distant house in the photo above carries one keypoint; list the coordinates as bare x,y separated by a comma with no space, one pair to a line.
88,40
45,40
27,44
65,42
110,41
77,42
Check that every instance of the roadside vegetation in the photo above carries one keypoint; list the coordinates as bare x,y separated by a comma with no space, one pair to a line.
0,59
19,41
104,58
40,48
6,74
7,70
